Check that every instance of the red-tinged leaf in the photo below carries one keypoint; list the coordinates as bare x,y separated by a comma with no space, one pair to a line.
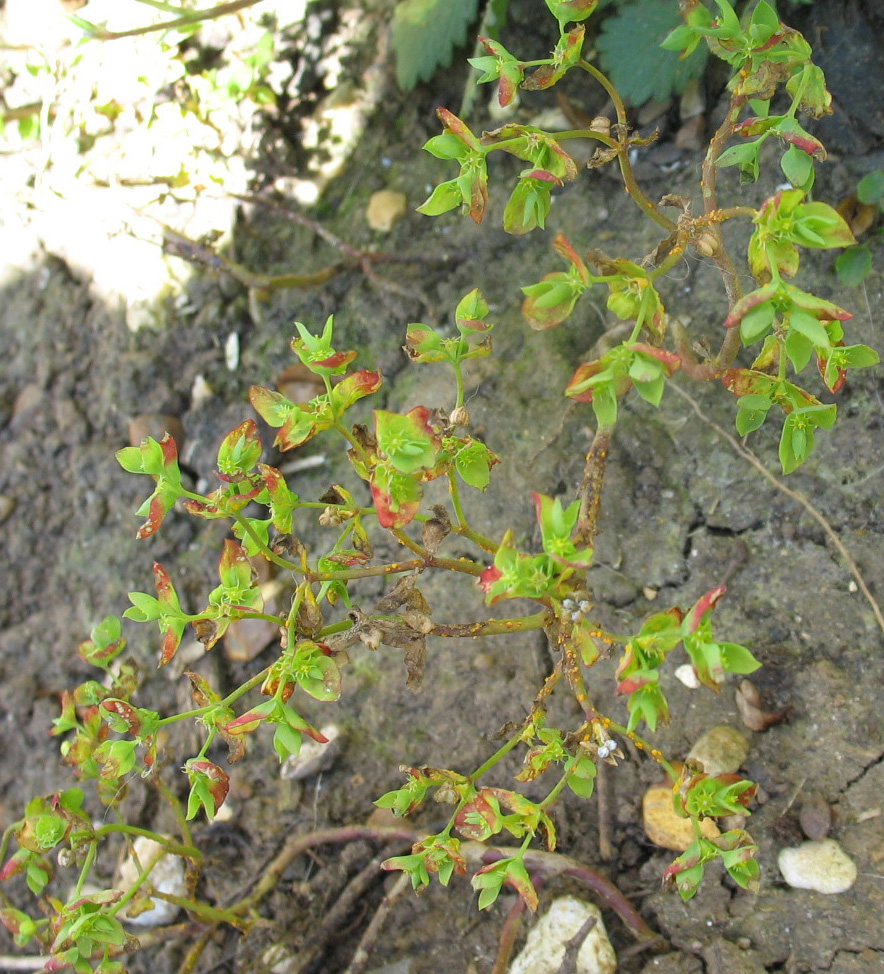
818,307
335,363
239,451
171,642
754,126
15,864
750,301
670,361
234,568
165,589
631,684
203,694
479,819
562,246
247,722
581,374
543,175
399,510
517,877
272,407
217,779
127,714
744,382
170,450
354,387
806,142
488,578
694,615
453,124
566,55
834,378
156,512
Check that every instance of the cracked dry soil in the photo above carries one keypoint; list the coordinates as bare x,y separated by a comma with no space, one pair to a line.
681,509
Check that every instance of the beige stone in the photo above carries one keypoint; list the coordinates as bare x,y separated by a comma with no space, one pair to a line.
385,209
721,750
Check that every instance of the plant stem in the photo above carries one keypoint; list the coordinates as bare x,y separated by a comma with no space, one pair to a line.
462,527
498,755
494,627
172,847
100,34
629,180
590,492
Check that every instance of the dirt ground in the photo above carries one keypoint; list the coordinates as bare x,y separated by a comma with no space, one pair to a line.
682,508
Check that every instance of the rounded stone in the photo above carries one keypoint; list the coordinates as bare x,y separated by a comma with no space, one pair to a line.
545,947
821,865
721,750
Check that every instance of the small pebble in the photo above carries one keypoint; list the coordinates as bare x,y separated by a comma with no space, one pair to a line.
818,865
815,816
691,136
247,638
313,756
722,750
545,947
385,209
686,674
666,829
7,505
200,392
167,876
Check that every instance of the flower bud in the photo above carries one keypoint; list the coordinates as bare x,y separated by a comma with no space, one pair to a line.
460,417
706,244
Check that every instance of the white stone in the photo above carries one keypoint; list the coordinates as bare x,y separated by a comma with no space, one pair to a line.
167,876
545,947
722,750
818,865
685,673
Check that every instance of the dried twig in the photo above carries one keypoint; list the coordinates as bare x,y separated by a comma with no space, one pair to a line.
373,930
508,933
796,495
572,946
330,925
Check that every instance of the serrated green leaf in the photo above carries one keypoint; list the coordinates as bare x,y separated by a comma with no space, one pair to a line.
630,52
425,34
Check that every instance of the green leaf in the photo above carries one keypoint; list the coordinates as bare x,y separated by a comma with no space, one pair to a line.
738,659
474,462
631,55
425,33
741,154
870,189
812,328
797,166
854,265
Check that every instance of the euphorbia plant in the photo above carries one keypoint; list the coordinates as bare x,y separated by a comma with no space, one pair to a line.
392,458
